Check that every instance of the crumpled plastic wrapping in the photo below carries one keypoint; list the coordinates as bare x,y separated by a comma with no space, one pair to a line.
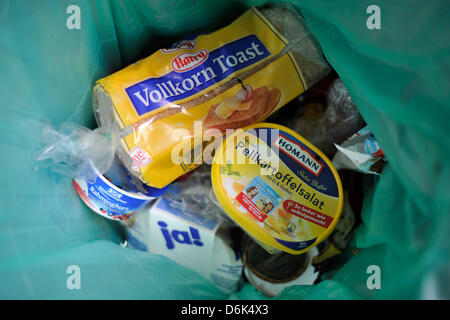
192,195
74,150
325,115
360,152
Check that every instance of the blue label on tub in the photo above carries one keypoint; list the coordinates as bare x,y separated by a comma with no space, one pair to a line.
117,194
112,201
299,245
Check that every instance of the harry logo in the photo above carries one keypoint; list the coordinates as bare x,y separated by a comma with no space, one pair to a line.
180,236
187,60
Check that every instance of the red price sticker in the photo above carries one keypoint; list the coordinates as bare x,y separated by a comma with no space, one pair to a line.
140,158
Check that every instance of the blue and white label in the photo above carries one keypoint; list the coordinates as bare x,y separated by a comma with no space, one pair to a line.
296,245
114,202
161,231
110,201
194,72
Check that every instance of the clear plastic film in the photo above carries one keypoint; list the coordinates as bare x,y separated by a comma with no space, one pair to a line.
192,195
99,178
325,115
76,151
303,45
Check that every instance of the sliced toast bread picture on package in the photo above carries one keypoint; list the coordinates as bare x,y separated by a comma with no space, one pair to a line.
237,114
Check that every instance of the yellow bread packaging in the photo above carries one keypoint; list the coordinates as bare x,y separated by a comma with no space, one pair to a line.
228,79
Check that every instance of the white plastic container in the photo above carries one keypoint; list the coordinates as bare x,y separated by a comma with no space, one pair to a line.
116,194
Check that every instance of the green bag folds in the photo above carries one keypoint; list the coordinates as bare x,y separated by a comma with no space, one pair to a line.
397,76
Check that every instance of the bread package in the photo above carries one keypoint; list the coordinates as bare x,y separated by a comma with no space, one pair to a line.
170,109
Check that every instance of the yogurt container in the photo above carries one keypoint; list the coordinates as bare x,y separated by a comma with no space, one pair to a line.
117,194
282,190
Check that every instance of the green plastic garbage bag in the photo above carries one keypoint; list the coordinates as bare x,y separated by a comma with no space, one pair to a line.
398,77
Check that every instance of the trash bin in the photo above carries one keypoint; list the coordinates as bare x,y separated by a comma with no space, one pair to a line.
394,60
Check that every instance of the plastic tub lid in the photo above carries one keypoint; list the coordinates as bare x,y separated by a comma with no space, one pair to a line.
278,187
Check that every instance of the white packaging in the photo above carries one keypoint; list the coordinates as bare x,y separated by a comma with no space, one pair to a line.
201,245
360,152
